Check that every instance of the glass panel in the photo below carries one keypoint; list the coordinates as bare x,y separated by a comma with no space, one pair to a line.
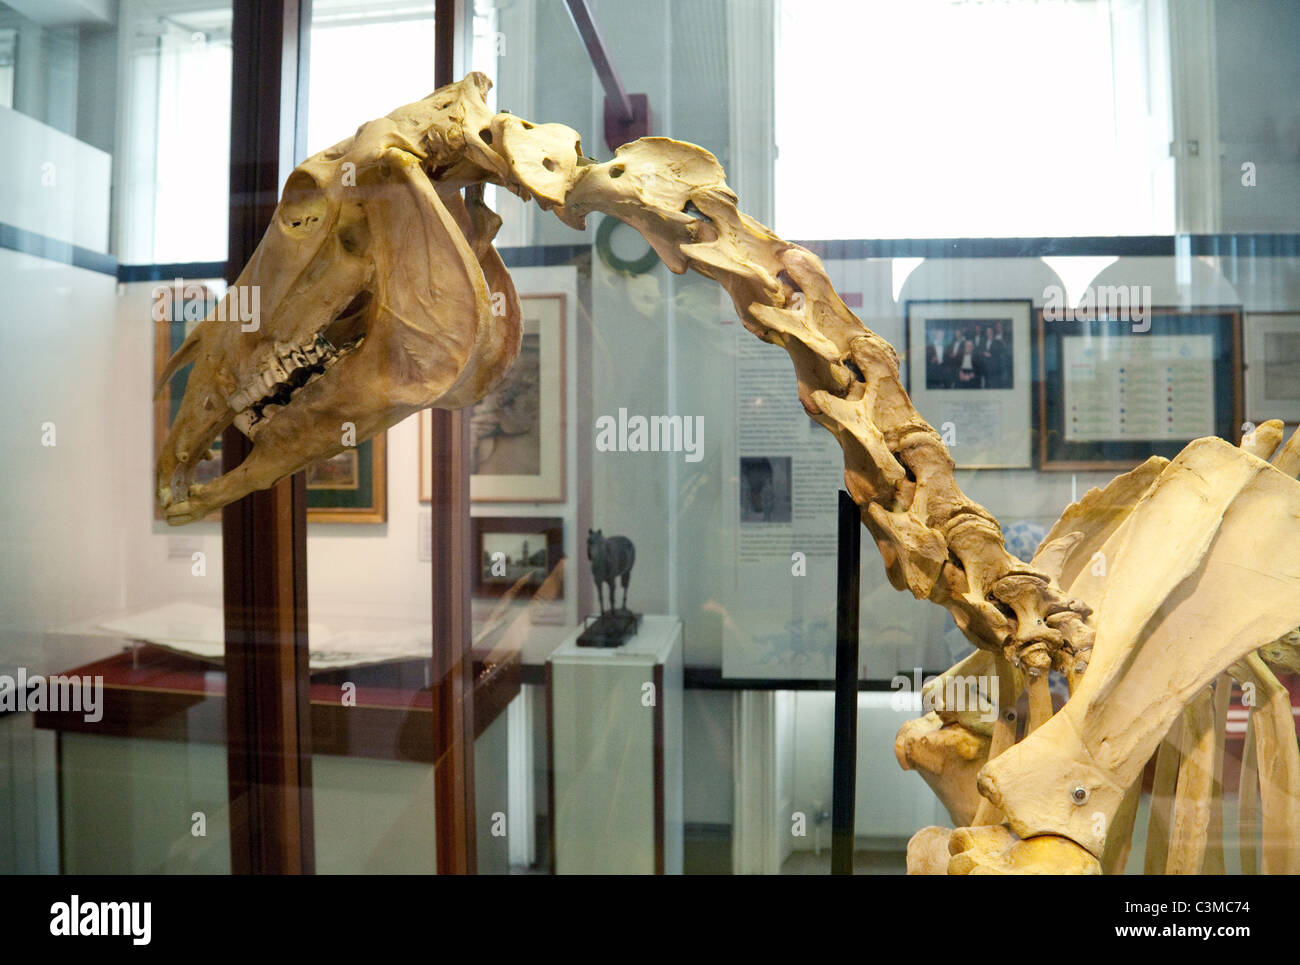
111,639
369,545
864,130
1074,222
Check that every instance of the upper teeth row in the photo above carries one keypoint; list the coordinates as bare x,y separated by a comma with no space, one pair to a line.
279,367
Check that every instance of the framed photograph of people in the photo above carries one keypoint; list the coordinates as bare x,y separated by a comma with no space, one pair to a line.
969,371
517,430
1272,347
1117,390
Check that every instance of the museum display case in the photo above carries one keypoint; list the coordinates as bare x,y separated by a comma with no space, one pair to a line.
684,436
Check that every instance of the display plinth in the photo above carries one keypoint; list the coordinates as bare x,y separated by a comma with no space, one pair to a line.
615,753
611,629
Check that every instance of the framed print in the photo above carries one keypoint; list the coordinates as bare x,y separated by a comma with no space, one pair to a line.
517,430
351,487
1114,392
969,369
1272,350
169,333
511,549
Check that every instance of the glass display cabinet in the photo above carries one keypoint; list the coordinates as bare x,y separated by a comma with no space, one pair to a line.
675,436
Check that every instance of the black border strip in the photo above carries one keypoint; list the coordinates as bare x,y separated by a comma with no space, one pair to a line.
169,271
1276,245
541,256
537,256
710,678
51,249
1233,245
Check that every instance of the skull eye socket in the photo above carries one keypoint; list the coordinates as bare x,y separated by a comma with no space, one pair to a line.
302,206
354,237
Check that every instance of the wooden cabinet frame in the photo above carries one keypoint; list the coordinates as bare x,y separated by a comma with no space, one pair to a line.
264,535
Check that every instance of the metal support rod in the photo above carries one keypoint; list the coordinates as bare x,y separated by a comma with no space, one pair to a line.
844,769
595,44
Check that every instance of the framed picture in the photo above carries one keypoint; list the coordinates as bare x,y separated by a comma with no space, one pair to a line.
1114,392
351,487
1272,349
168,336
517,430
969,370
511,549
766,489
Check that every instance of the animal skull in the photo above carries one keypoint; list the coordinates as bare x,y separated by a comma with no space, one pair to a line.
380,295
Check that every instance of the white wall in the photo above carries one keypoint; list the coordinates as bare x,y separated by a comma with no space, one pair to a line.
57,185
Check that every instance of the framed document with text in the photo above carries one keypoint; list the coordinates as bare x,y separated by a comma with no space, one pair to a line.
1115,392
1272,351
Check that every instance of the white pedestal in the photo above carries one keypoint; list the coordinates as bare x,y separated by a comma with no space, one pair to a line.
616,753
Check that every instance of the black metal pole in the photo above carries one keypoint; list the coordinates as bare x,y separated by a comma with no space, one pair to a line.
844,772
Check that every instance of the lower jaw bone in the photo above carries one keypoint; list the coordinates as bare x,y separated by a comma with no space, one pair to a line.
180,487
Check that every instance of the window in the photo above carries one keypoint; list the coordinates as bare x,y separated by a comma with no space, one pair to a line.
961,119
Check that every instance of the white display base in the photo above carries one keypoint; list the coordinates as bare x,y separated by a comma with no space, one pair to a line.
615,752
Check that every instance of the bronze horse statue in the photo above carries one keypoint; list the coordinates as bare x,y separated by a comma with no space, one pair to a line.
611,560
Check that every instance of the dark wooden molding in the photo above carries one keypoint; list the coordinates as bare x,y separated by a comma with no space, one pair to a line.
453,672
160,695
264,535
550,765
710,678
660,778
453,696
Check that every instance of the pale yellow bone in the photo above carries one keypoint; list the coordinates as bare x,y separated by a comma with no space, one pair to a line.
1263,440
995,850
1287,459
927,851
979,666
1119,836
1040,701
1169,623
1215,862
1162,800
1248,803
1278,760
948,756
1004,735
1191,819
